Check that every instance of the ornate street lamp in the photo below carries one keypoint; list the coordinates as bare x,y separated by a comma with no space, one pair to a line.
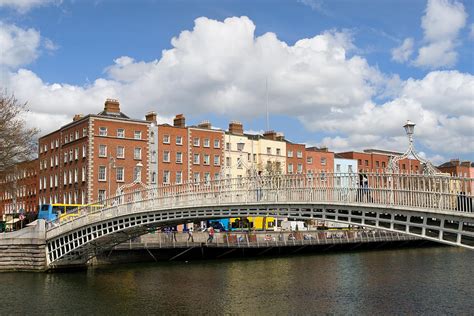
428,167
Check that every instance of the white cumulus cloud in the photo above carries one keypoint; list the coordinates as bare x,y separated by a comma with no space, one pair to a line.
441,24
18,46
220,67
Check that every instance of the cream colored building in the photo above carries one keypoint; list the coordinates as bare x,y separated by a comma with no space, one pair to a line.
245,154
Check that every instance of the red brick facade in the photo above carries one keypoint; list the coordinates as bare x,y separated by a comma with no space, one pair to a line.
319,159
295,158
90,158
376,161
172,154
26,175
205,153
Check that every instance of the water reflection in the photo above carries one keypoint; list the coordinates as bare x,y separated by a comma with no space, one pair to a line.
410,281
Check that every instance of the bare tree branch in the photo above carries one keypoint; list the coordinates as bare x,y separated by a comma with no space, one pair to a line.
17,141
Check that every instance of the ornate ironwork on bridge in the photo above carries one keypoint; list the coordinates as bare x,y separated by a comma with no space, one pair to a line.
434,207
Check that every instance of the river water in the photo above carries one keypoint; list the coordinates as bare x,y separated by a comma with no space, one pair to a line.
430,281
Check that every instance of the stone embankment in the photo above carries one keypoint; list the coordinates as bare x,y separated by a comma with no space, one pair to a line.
24,250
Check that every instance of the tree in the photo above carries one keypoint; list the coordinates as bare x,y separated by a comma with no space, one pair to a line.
17,140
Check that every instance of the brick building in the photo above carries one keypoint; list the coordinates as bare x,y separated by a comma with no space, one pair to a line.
91,157
205,148
373,160
319,159
295,158
18,189
172,152
458,168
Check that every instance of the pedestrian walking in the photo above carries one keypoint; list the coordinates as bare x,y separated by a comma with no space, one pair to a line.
190,233
211,234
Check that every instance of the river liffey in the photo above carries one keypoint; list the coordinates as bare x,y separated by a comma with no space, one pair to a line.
429,281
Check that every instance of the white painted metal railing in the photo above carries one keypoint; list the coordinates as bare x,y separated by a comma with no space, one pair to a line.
417,192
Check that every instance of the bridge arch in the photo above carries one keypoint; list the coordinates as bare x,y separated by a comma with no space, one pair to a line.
437,208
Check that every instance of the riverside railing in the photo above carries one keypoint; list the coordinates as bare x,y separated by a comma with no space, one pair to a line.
434,193
236,239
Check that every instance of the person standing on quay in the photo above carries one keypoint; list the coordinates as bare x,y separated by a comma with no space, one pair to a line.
211,235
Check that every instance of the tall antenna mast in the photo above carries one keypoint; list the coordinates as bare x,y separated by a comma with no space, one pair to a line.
266,92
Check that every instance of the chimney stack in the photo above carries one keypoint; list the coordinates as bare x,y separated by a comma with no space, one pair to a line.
236,128
151,117
205,124
280,136
77,117
179,121
112,106
270,135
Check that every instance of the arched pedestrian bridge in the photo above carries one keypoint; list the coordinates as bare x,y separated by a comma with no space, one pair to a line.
437,208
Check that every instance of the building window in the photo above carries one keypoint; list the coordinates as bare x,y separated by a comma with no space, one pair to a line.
300,168
102,150
102,173
290,168
179,177
77,134
102,131
207,177
349,168
367,163
323,161
75,175
179,157
119,174
57,143
76,153
269,151
152,137
404,166
166,156
377,164
299,154
383,164
120,152
166,139
153,177
207,160
56,160
278,151
70,155
338,168
84,132
196,142
120,133
153,156
227,146
217,160
196,177
179,140
83,173
309,160
166,177
207,142
70,176
227,161
196,159
137,135
137,153
101,195
55,180
217,143
84,151
290,153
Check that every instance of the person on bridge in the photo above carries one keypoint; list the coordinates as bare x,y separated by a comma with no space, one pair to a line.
211,234
190,233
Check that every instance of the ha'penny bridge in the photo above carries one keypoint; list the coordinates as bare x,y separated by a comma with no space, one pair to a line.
431,207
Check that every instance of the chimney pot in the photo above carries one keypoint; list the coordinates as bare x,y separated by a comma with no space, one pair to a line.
77,117
236,127
112,106
151,117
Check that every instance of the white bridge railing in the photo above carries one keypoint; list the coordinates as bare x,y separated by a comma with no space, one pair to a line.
418,192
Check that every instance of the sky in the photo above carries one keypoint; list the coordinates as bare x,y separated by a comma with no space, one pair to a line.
342,74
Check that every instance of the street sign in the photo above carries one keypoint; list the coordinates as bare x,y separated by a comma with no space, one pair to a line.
21,217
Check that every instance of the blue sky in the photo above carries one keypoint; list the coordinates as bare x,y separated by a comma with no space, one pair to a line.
335,75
